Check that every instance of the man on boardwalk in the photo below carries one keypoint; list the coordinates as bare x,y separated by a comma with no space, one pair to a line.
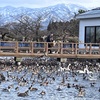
50,39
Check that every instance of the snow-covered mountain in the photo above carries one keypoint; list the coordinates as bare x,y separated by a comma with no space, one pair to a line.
60,12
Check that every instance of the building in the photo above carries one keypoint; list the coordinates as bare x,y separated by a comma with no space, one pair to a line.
89,26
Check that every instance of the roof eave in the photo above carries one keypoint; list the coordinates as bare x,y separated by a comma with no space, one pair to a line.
88,16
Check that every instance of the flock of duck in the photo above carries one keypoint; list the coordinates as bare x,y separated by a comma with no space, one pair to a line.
45,71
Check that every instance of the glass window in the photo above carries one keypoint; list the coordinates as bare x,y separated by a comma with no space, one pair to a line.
98,34
92,34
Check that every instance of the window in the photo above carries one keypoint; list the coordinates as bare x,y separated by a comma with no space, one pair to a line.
98,34
92,34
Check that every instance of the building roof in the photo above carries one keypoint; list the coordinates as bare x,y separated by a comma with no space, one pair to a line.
94,13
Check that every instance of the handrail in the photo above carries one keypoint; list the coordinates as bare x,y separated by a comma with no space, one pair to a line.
60,49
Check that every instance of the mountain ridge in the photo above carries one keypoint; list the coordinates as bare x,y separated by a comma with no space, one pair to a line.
59,12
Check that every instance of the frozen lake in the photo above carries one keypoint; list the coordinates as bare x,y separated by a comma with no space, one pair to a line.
54,79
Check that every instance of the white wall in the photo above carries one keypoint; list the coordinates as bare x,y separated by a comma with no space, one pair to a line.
83,23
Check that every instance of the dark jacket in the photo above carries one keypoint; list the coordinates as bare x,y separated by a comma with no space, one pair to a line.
49,38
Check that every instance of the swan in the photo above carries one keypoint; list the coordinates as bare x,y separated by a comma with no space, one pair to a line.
85,71
67,69
80,71
62,69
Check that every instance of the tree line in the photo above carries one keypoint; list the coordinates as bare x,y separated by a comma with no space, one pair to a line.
30,29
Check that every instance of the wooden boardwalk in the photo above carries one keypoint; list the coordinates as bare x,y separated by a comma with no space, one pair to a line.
59,49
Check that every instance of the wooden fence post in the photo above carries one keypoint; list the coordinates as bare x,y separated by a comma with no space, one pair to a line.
16,47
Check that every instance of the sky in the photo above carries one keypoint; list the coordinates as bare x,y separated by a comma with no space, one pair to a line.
46,3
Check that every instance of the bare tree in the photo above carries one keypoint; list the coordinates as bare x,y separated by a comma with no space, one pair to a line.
28,27
3,33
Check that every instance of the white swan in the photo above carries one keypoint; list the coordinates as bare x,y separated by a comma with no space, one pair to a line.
64,69
67,69
86,70
61,69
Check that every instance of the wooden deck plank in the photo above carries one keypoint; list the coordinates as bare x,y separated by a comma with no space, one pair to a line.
50,55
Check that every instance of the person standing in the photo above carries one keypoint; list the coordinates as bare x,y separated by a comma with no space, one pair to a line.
50,39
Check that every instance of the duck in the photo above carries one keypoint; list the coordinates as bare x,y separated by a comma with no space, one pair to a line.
23,94
68,85
19,63
45,83
92,78
11,86
43,93
75,80
32,89
6,89
63,80
99,90
17,88
22,83
76,86
53,78
92,84
59,89
81,92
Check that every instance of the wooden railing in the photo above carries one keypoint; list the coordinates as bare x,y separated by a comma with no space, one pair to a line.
60,49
